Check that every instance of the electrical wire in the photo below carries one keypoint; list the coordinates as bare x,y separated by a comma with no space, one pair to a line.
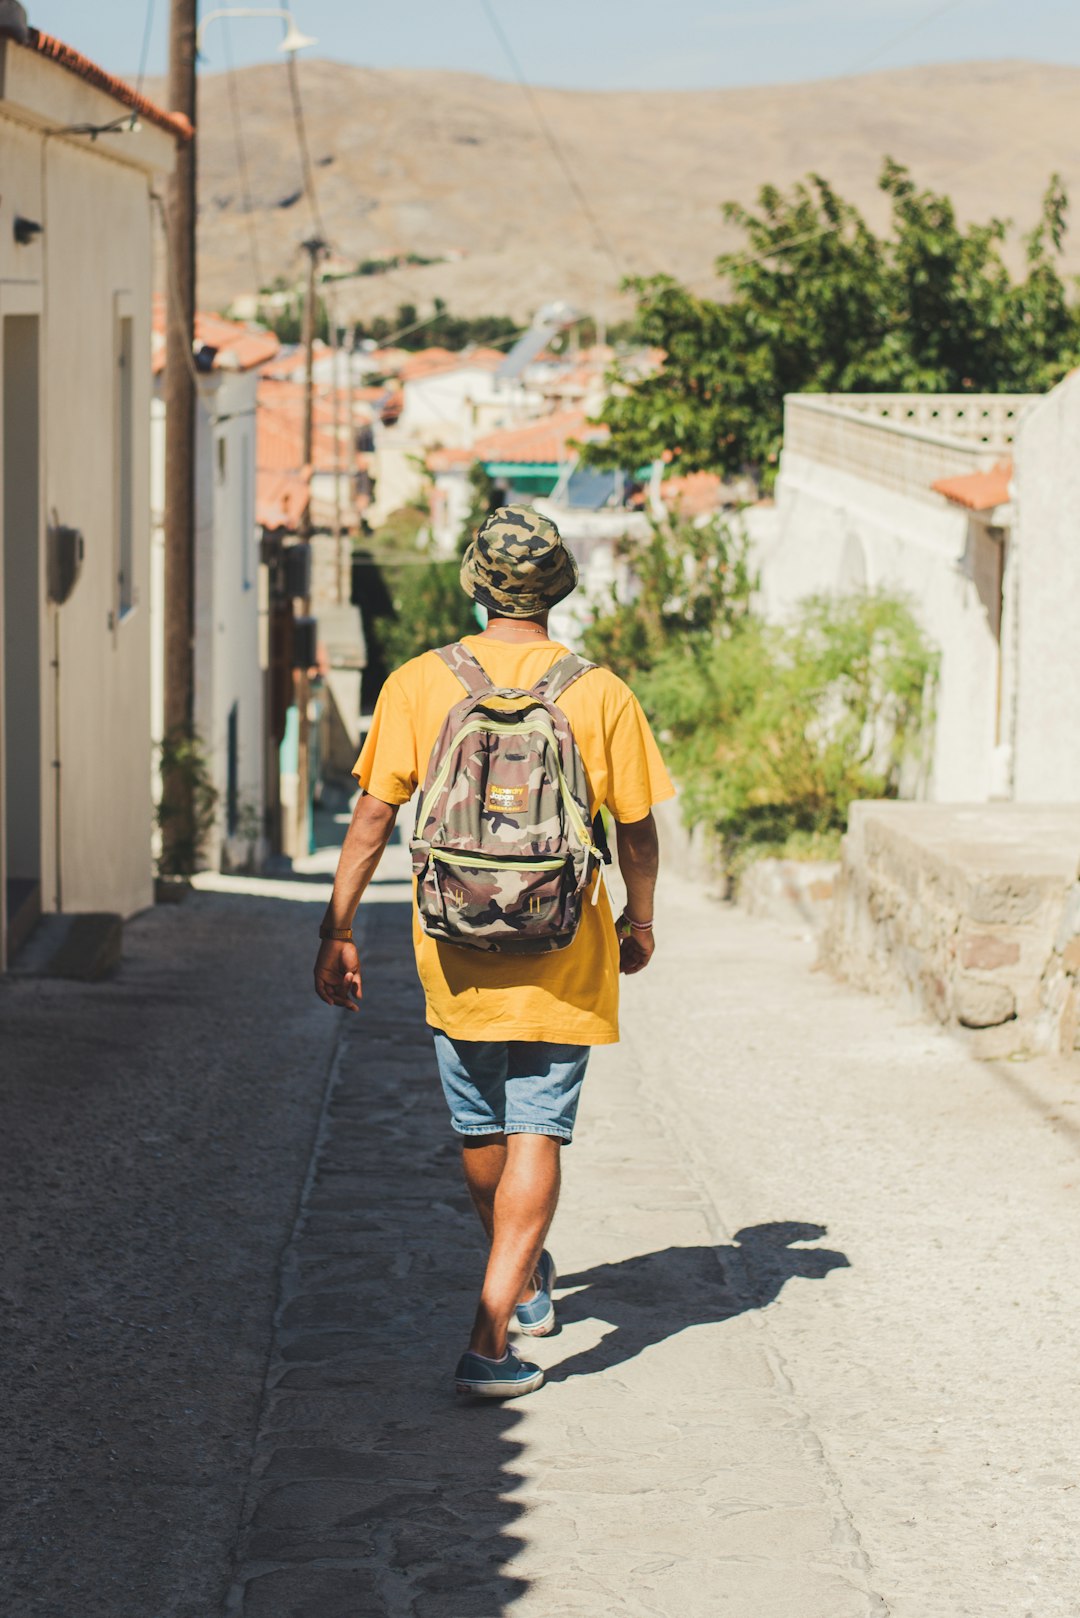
904,34
602,239
241,154
300,128
148,28
175,312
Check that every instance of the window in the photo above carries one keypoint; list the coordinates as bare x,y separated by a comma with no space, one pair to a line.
125,464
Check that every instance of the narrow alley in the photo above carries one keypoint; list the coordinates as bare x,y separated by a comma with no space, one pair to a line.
818,1280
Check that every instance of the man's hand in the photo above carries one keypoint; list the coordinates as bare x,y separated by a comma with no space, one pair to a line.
635,952
337,974
639,858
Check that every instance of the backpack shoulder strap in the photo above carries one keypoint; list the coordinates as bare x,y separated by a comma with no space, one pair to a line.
560,676
460,661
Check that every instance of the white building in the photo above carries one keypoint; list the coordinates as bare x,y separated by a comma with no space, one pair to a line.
1043,617
909,493
231,656
76,216
454,398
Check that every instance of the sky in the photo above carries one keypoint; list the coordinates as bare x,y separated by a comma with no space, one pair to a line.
599,44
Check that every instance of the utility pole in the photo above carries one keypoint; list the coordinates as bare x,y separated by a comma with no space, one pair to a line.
339,559
313,247
354,509
178,826
301,685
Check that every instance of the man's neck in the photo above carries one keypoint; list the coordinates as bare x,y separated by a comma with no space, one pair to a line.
517,629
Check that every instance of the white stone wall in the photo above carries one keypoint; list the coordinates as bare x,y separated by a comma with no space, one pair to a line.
835,532
90,266
228,661
1047,537
445,408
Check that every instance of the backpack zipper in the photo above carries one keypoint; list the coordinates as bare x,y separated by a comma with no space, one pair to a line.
496,865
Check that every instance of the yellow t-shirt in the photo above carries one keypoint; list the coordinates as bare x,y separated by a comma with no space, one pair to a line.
570,996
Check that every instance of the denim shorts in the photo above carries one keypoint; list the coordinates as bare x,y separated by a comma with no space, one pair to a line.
511,1087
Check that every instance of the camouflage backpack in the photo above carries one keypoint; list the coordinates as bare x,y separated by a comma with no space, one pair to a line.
503,848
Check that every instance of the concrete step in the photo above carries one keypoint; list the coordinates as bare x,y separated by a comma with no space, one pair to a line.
971,912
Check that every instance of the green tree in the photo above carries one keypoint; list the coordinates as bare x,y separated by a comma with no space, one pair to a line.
429,609
816,301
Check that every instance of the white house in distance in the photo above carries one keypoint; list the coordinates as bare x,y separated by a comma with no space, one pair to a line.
75,291
910,493
231,657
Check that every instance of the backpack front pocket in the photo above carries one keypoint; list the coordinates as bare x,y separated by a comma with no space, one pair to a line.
517,905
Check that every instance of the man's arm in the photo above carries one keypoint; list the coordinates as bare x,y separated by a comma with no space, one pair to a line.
337,967
639,861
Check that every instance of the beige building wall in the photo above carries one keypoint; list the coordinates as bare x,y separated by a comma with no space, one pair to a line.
86,280
836,532
1046,705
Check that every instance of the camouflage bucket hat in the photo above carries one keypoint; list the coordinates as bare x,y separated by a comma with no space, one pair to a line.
517,566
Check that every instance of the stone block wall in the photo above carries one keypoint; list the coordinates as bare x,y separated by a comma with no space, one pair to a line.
967,912
793,892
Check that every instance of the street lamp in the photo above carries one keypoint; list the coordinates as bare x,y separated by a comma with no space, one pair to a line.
293,41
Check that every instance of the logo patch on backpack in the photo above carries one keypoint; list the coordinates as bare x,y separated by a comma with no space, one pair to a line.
503,847
506,800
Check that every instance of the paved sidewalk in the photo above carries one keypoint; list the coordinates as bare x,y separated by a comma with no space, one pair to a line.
746,1413
241,1264
155,1132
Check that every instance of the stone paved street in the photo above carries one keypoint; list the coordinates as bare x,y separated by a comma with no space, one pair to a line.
819,1285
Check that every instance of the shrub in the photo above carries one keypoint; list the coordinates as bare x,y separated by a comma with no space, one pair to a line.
693,584
773,730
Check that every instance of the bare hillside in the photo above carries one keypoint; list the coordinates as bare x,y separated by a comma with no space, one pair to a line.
447,163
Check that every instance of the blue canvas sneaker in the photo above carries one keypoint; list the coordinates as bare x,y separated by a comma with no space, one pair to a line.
507,1378
537,1317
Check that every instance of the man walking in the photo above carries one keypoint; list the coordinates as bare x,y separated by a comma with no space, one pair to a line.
512,1030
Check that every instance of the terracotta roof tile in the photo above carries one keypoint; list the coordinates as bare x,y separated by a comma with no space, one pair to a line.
436,361
280,499
239,347
978,491
174,123
547,440
693,493
447,459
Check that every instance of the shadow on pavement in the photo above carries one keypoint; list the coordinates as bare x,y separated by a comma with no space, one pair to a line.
655,1295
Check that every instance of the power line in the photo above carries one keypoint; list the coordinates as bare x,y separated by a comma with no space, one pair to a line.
300,128
602,239
904,34
148,28
241,154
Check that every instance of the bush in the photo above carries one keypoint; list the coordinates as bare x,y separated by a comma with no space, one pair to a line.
693,584
773,731
430,609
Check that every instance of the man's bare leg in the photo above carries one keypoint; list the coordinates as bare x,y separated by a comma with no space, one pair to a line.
514,1184
483,1158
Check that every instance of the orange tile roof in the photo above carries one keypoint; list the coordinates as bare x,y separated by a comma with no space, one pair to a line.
436,361
547,440
239,347
693,493
174,123
425,361
978,491
280,498
279,430
445,460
